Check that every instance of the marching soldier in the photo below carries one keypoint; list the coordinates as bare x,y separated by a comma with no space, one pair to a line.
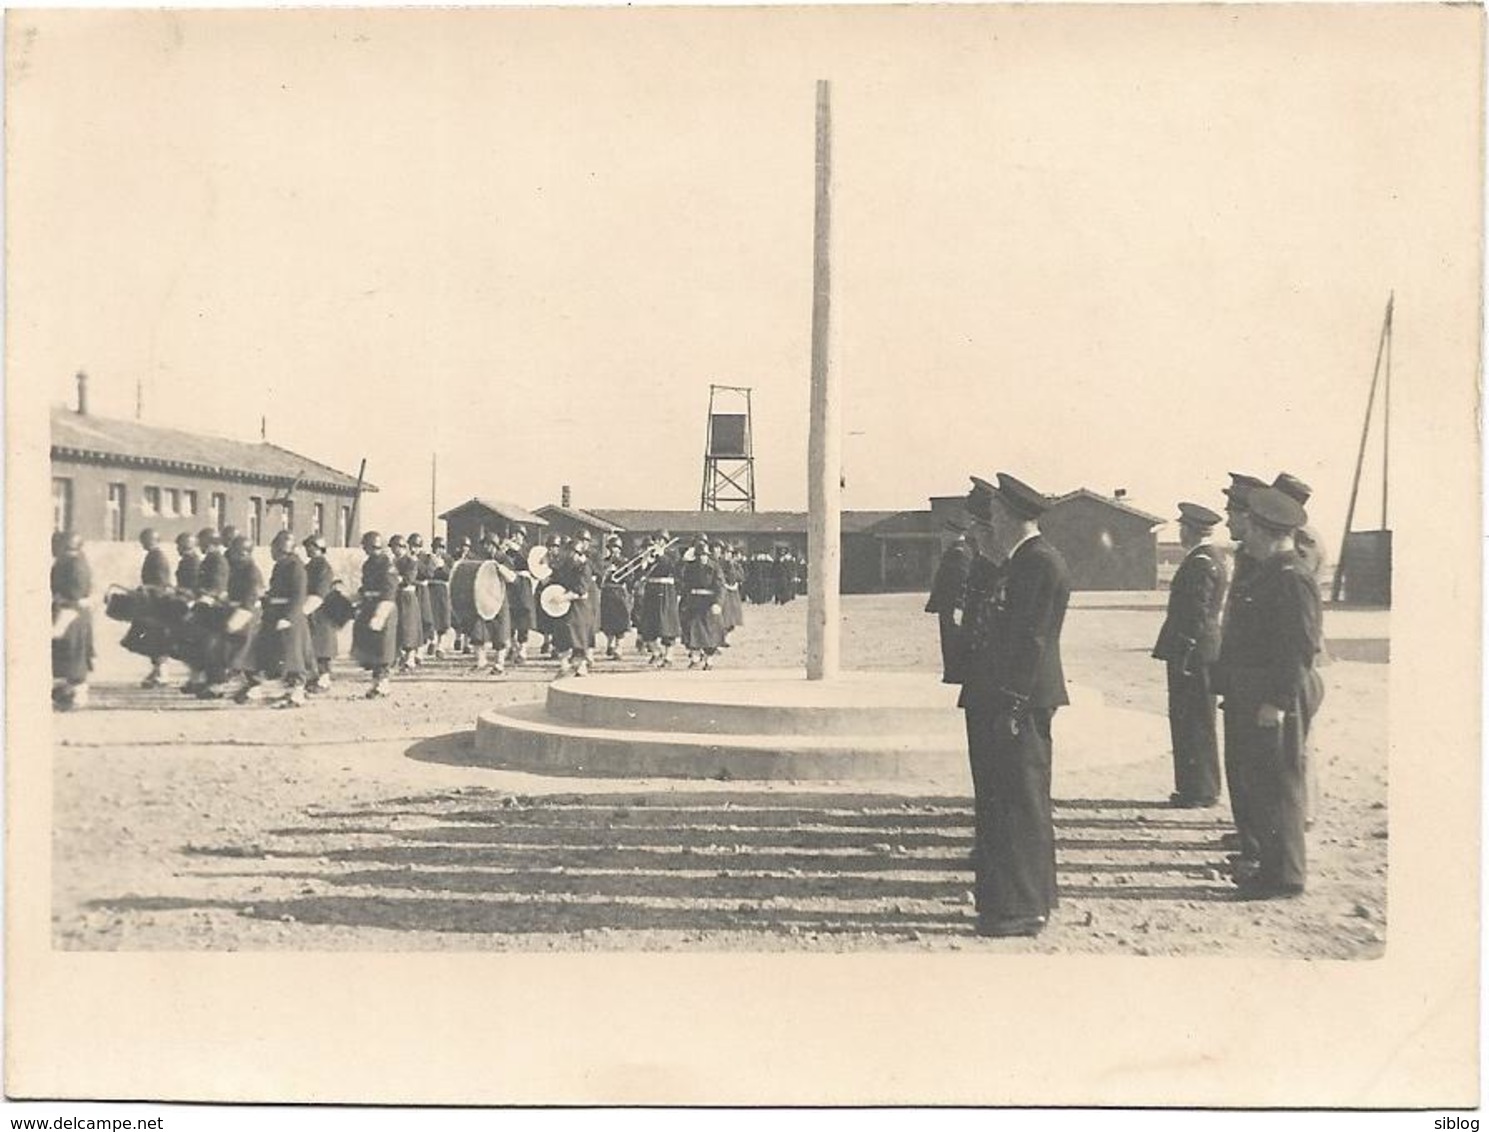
245,586
149,634
573,632
1013,682
72,623
184,639
439,564
1189,643
423,573
731,565
493,634
660,624
375,631
410,617
946,601
700,606
520,597
320,580
615,599
188,564
283,647
209,618
1269,646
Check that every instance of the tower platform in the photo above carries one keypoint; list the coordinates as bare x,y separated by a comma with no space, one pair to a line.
776,725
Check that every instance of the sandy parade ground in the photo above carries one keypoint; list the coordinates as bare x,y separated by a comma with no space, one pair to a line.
357,825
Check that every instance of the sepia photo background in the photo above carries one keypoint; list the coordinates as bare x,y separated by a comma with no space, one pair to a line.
1098,246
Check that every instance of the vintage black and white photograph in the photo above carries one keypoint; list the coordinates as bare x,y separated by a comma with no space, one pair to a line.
745,483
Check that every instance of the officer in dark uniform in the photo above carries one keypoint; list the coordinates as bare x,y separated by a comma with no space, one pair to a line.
946,601
1269,647
1236,495
1189,643
1305,541
1012,683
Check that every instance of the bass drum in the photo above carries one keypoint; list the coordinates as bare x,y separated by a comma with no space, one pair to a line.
476,593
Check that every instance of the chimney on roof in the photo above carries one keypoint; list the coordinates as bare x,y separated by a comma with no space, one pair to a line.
1120,493
263,428
565,496
82,394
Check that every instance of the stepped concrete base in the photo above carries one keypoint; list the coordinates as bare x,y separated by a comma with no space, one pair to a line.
769,724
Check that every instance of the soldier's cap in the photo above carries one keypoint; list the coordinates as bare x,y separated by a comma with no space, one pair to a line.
241,542
436,541
372,536
979,501
1020,498
1275,510
208,536
182,538
396,540
1291,485
315,541
416,540
1197,516
1240,489
282,538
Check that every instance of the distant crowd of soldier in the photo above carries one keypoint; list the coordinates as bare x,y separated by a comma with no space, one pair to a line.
241,637
1249,634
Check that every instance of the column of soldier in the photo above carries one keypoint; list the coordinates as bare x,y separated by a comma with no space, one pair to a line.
1250,636
237,635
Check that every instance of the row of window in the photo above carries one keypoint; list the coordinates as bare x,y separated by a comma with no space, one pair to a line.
181,503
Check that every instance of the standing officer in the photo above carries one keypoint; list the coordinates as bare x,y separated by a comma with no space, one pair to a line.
1269,648
1236,525
1306,542
1189,643
1012,683
946,601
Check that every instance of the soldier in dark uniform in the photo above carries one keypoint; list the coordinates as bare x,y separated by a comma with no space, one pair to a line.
438,567
410,617
731,566
183,639
1306,542
492,635
208,618
615,599
660,624
423,572
245,586
700,605
149,632
1189,644
785,575
375,631
72,623
1236,495
544,623
520,597
1270,645
946,601
1013,682
283,649
320,580
572,632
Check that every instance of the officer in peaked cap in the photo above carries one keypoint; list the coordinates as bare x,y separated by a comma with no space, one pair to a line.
1012,684
1189,644
1267,655
1236,518
946,599
1294,488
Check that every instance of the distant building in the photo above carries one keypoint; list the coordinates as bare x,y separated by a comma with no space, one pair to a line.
477,517
1107,543
570,521
113,478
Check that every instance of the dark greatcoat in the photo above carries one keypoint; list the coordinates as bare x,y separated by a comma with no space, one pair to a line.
285,650
495,631
439,592
1189,644
615,602
520,599
376,648
72,653
946,601
1267,656
423,573
320,577
206,646
700,605
576,628
659,613
1013,683
733,603
410,615
152,632
245,585
184,637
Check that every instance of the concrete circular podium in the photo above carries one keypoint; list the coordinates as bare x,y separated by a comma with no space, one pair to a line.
776,725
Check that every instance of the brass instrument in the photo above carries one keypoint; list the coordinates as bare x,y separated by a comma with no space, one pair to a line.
626,569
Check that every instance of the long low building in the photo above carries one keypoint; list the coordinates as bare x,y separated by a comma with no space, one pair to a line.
1108,543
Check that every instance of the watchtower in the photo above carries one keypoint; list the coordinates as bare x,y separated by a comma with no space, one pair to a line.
728,451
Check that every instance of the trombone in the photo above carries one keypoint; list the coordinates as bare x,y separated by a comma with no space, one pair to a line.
626,569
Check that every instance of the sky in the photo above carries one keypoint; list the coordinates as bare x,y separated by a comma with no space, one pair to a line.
1114,248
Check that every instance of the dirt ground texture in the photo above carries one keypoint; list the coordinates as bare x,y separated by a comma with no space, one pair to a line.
361,825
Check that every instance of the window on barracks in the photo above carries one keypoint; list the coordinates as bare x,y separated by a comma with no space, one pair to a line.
287,517
115,512
170,502
188,503
346,524
318,519
255,520
150,501
219,509
61,504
